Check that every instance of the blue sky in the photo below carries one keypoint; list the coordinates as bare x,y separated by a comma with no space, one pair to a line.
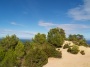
25,18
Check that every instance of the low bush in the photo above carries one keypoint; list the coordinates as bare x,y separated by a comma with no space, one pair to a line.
65,46
57,54
69,49
82,52
51,51
74,49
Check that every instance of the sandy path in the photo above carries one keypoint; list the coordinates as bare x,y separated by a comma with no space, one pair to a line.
70,60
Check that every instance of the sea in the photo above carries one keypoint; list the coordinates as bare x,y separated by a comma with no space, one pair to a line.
88,42
24,40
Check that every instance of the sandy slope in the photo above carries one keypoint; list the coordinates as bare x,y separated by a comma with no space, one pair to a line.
71,60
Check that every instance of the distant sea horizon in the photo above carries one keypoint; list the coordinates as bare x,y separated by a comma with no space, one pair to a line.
88,42
24,40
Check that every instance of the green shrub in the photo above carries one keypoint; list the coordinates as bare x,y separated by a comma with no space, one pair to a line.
82,52
74,49
56,37
58,54
9,59
2,53
51,51
65,46
36,58
19,50
9,42
69,49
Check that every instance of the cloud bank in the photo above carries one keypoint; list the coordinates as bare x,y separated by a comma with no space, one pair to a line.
17,24
46,24
69,28
64,26
20,34
81,12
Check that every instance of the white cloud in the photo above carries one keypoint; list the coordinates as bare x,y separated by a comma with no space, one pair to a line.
46,24
81,12
20,34
73,26
17,24
64,26
69,28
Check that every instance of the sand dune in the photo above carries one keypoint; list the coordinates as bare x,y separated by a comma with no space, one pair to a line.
71,60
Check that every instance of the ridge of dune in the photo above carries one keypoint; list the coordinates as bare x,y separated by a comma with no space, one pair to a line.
71,60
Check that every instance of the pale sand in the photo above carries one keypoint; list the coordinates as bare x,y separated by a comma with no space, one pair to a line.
71,60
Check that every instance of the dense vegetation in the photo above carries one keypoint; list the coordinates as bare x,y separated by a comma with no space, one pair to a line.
35,53
32,53
78,39
56,37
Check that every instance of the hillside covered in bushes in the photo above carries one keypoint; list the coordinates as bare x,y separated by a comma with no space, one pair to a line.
35,53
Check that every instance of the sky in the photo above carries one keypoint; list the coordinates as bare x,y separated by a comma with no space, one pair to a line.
25,18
